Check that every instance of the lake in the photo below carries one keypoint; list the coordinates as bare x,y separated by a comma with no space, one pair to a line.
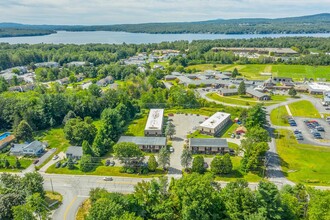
108,37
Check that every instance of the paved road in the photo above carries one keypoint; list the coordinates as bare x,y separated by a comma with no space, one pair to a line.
75,189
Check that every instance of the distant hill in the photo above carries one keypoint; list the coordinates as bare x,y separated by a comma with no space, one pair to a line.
319,23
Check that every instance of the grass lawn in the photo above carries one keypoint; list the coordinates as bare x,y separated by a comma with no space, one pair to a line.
25,163
228,130
279,116
103,171
301,162
53,199
83,210
197,134
304,109
238,174
252,71
136,127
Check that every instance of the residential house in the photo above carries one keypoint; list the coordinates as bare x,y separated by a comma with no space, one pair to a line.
105,81
209,146
35,148
47,64
228,92
74,152
149,144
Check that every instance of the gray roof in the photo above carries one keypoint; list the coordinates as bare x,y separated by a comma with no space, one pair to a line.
35,146
229,90
75,151
208,142
155,141
255,93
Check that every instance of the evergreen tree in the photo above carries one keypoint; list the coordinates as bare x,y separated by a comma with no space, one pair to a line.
292,92
164,157
68,116
242,88
227,164
70,164
186,158
24,131
87,150
152,163
18,164
235,73
6,163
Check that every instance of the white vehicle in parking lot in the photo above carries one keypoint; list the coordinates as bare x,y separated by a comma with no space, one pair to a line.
107,178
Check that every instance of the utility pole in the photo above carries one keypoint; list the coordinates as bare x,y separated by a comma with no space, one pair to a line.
51,183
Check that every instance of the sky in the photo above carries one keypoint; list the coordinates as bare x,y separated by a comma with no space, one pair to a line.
89,12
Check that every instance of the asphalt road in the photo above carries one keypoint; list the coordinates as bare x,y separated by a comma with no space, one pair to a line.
75,189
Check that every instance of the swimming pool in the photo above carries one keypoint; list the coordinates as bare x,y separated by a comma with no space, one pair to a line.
4,135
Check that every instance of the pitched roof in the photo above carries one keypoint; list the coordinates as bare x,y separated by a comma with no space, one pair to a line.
255,93
75,151
155,141
208,142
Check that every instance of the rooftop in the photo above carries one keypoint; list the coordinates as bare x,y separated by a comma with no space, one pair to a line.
208,142
75,151
319,87
215,120
155,119
255,93
155,141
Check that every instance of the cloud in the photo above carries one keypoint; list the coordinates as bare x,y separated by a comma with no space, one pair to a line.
140,11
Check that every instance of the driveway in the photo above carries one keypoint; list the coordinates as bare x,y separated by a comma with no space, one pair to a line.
42,159
61,156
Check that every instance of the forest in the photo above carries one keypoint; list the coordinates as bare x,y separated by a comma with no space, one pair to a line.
16,32
318,23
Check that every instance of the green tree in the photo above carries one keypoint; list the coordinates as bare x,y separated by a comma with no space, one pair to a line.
186,158
38,205
6,163
18,164
235,73
256,116
129,154
95,90
3,85
33,183
221,165
152,163
292,92
228,165
170,130
77,130
164,157
319,205
86,163
70,164
242,88
24,131
87,150
23,212
198,164
253,153
258,134
68,116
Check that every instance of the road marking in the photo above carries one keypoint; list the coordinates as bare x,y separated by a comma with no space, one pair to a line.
120,183
69,206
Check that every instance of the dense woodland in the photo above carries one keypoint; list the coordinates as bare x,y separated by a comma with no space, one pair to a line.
16,32
195,197
307,24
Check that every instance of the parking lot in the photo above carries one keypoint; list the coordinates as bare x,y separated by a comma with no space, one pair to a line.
312,131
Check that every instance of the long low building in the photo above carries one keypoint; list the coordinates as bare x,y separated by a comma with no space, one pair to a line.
150,144
154,126
209,145
215,123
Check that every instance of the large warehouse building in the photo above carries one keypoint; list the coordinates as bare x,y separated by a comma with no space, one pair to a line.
215,123
154,126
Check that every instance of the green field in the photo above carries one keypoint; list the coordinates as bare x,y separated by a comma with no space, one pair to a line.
253,71
245,100
238,174
301,162
136,127
304,109
197,134
279,116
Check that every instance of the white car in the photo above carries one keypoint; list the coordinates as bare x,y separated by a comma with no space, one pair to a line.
107,178
55,157
171,149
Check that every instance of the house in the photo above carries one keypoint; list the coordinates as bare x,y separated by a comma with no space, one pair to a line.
63,81
209,145
228,92
5,139
105,81
215,123
169,77
47,64
257,95
154,126
74,152
35,148
150,144
23,88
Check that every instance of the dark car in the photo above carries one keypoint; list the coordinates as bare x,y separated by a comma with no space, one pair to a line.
58,164
35,162
297,131
293,124
107,162
64,164
206,165
320,128
112,163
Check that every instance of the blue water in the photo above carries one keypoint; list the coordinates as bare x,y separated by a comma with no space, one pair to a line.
4,135
108,37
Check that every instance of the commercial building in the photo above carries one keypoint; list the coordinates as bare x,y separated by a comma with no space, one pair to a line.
215,123
154,126
150,144
209,145
318,88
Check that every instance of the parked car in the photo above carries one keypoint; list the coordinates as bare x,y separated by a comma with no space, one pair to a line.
293,124
107,178
55,157
64,164
206,165
320,128
171,149
58,164
327,108
232,135
35,162
170,114
297,131
112,163
107,162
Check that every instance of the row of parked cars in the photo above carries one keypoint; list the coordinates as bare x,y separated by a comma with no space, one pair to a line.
315,128
298,134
